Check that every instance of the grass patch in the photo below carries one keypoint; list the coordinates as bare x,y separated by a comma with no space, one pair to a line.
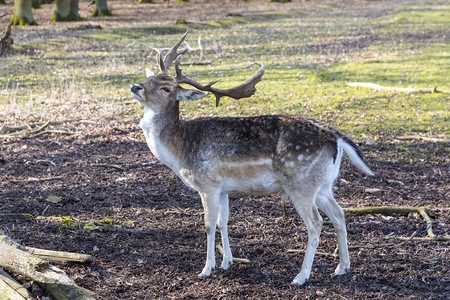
309,59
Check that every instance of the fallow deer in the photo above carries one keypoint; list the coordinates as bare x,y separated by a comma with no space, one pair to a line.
260,155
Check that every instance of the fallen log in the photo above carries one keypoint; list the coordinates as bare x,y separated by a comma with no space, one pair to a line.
26,264
68,292
18,260
395,89
59,257
11,289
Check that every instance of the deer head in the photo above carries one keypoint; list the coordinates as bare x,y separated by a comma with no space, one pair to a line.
161,90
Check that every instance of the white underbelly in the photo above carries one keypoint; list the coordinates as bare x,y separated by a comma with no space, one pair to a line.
264,184
254,177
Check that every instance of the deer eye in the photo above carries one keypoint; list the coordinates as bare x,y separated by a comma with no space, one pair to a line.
165,90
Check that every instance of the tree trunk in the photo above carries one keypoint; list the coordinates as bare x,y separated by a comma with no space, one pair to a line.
22,14
101,9
35,4
62,10
74,14
66,10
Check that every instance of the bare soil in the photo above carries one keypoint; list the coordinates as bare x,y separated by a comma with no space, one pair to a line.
155,244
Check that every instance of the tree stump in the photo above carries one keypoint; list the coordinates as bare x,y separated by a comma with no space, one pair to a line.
6,41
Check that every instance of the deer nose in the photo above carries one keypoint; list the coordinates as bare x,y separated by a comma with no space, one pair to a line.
135,88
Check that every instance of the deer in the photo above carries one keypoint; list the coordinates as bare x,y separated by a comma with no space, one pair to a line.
261,155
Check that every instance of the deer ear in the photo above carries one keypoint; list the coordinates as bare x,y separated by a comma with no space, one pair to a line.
190,95
149,72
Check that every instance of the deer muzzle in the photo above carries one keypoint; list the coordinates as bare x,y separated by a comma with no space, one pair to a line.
136,91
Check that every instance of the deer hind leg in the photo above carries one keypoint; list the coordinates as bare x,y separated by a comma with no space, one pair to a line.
326,203
306,207
210,201
222,223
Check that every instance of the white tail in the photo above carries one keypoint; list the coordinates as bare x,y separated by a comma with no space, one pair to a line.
260,155
355,155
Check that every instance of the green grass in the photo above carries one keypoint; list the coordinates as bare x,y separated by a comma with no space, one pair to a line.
308,58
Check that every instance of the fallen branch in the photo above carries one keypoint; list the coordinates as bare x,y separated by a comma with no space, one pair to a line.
438,238
235,259
116,167
15,216
423,138
395,89
354,247
333,255
34,179
53,131
8,129
126,167
423,211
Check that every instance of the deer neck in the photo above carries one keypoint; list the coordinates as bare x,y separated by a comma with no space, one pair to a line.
160,131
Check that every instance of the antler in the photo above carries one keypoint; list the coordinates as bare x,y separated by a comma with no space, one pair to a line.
244,90
164,65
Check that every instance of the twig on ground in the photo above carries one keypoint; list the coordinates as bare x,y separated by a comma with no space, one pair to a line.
240,260
383,245
126,167
34,179
53,131
333,255
15,216
439,238
116,167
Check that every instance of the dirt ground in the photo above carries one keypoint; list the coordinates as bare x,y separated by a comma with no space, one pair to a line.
149,242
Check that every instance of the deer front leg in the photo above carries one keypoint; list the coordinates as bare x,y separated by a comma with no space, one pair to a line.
210,201
222,223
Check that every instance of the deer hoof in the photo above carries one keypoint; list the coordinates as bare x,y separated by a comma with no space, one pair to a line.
300,279
206,272
226,263
341,269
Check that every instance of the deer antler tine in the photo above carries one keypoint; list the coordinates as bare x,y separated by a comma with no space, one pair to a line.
172,54
177,66
160,62
213,82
